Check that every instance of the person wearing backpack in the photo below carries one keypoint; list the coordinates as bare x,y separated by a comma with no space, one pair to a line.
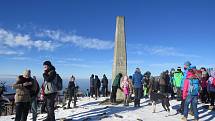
187,65
49,89
190,94
211,89
34,95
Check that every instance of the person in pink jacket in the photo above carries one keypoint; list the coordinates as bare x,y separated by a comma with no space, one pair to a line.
190,94
125,87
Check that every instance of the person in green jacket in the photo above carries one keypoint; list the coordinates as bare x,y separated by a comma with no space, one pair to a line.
178,76
115,86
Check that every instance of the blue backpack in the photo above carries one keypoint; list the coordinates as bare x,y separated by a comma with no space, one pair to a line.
194,87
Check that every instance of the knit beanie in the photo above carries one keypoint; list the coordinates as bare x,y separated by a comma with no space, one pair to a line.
48,63
187,63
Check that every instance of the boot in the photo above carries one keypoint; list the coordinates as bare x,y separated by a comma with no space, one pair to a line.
184,118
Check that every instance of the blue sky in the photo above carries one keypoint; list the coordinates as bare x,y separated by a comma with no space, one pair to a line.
78,35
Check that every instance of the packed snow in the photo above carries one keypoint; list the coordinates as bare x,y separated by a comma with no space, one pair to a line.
90,109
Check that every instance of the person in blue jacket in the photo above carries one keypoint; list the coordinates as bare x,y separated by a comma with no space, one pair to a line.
137,82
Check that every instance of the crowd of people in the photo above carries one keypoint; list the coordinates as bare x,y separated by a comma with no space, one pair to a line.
95,85
187,86
27,90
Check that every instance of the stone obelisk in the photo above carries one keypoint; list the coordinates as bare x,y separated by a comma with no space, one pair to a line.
120,56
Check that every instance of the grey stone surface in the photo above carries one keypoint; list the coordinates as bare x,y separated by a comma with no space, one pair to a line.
120,55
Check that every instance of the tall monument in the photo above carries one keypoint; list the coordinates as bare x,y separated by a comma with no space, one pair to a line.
120,56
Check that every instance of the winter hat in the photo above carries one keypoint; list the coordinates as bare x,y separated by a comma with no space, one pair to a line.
48,63
192,67
27,73
179,69
137,70
72,78
191,74
187,63
172,70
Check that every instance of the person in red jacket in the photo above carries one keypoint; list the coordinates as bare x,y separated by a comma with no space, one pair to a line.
190,94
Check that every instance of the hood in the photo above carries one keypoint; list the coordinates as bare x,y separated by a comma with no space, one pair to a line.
125,78
52,68
191,75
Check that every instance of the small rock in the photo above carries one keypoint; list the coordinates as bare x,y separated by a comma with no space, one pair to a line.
118,116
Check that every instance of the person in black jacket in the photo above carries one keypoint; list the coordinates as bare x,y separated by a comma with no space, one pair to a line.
34,95
50,94
92,85
97,84
71,90
104,86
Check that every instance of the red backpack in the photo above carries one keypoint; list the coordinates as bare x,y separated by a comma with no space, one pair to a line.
213,82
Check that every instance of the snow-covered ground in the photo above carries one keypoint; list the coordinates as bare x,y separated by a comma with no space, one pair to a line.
89,109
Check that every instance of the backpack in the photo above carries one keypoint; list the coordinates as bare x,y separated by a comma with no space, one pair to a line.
213,83
54,86
194,87
58,82
35,92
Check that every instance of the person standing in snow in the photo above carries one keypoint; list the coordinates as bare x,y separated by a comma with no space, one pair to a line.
104,86
211,89
187,65
136,78
24,86
92,86
126,89
71,90
164,82
115,86
204,79
190,94
49,89
146,80
177,78
34,95
97,84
